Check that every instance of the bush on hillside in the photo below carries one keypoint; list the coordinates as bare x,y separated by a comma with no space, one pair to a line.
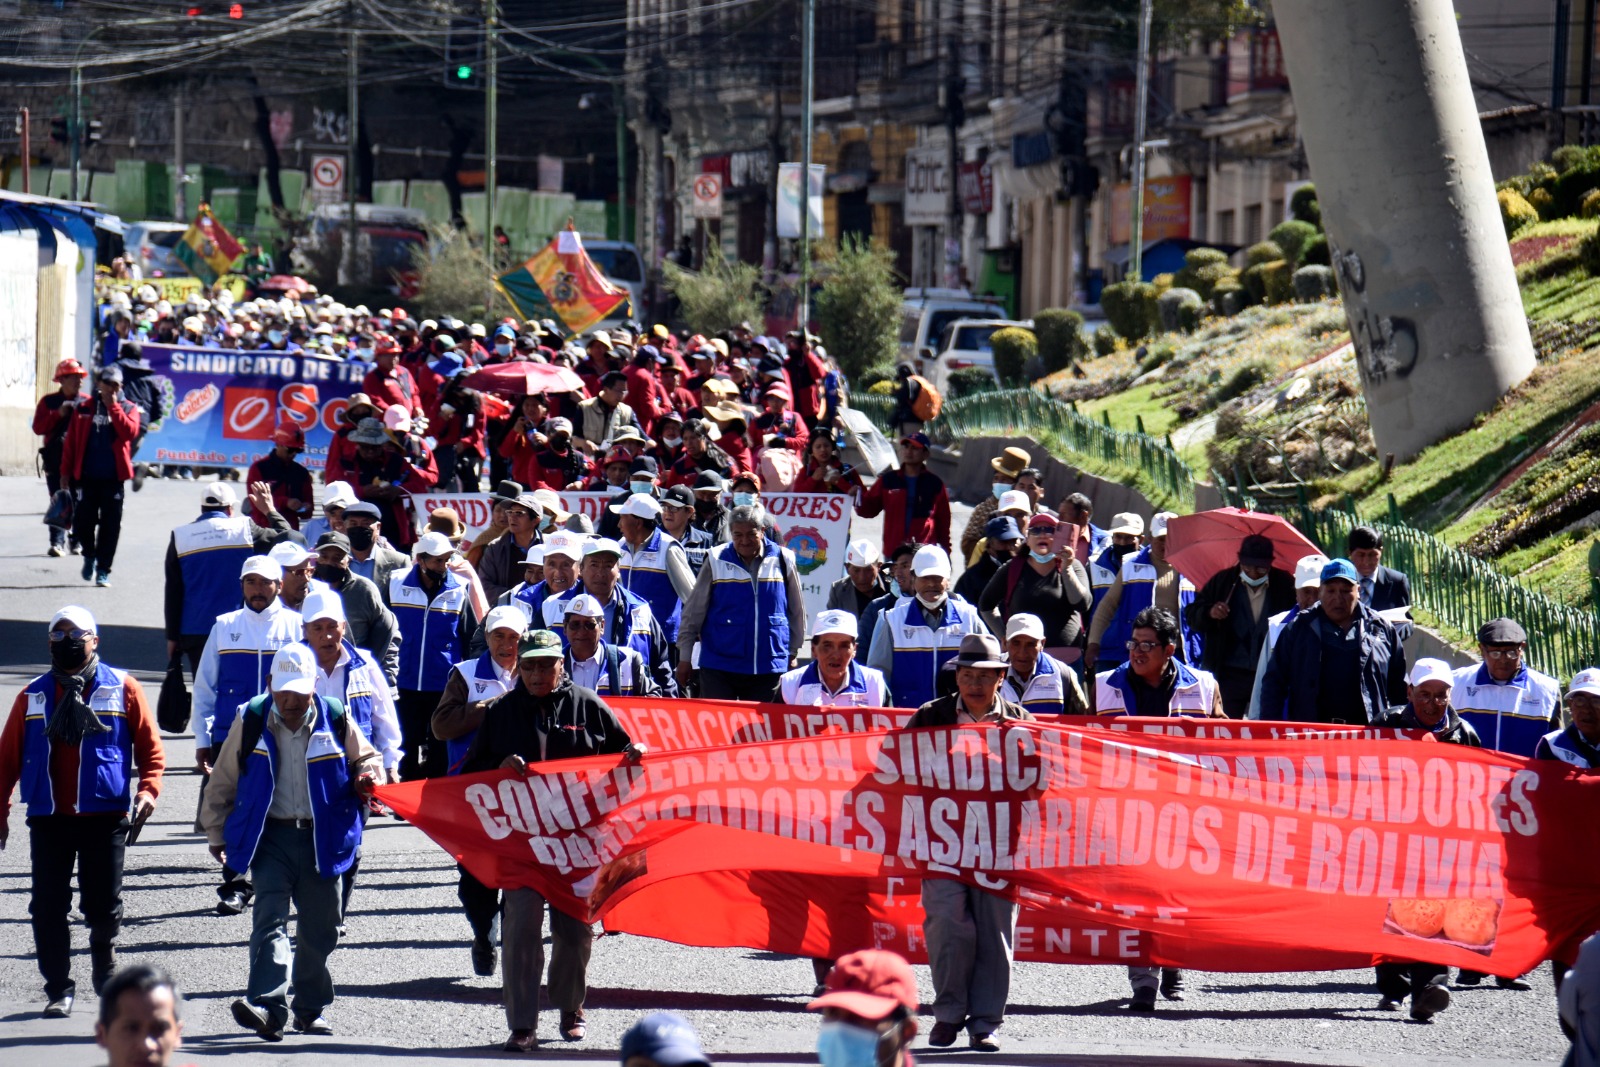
1061,341
1105,341
1229,296
1316,252
858,304
1568,190
1269,283
1542,202
1262,252
1292,236
1314,283
1130,307
1589,254
1303,205
885,388
1155,356
1590,208
1239,383
1013,348
969,380
878,372
1515,211
1179,309
1202,269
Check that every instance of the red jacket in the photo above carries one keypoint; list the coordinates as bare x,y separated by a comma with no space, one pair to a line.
289,479
124,428
387,390
925,520
341,456
645,396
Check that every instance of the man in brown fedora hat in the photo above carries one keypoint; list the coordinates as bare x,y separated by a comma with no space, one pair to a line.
1008,467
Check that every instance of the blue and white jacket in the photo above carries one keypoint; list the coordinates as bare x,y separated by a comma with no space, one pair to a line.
1043,694
1510,716
1138,592
211,551
1194,694
746,627
431,631
105,759
1569,747
644,573
910,653
485,680
236,665
864,687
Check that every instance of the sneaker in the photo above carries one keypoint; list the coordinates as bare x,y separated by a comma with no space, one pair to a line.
232,904
483,957
312,1024
72,548
255,1018
1143,1000
56,552
102,579
943,1035
139,472
88,569
573,1027
984,1043
1388,1004
1512,983
1429,1001
521,1041
1467,977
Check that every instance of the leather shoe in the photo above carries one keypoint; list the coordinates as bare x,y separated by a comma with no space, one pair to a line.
104,966
521,1041
59,1008
1388,1004
572,1025
943,1035
984,1043
1172,983
483,957
1143,1000
1512,983
1429,1001
1467,977
312,1024
232,904
253,1017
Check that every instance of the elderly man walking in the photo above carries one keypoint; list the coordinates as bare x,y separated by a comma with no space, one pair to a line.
1509,703
430,603
915,637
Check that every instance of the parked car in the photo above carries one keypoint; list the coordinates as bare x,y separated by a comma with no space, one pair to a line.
151,245
925,313
963,345
622,265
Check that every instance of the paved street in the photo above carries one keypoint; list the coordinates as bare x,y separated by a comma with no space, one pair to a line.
404,982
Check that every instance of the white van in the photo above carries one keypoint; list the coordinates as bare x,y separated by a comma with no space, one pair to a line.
622,265
151,245
925,313
964,345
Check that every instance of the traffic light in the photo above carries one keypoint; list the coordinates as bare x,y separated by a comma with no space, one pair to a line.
236,11
92,131
463,54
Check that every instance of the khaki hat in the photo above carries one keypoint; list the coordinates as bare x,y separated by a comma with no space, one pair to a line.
1011,462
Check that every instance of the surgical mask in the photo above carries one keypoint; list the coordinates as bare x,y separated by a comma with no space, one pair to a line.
842,1044
743,500
503,350
672,442
68,655
364,354
1040,557
547,522
331,573
932,605
999,489
894,587
274,336
642,486
361,537
1253,583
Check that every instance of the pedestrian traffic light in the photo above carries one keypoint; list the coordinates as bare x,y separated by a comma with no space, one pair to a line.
464,72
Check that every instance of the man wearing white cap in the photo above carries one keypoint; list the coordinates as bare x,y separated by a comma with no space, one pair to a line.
1122,541
202,567
833,678
1307,590
863,579
1145,580
474,684
1042,684
627,622
1579,743
298,563
336,496
557,569
430,603
914,638
654,566
72,739
596,664
279,807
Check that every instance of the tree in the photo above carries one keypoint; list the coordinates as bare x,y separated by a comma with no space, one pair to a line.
858,305
718,297
453,274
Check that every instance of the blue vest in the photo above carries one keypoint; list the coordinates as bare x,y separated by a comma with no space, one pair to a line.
1045,693
1194,692
919,651
644,573
358,692
104,759
531,598
483,683
243,672
746,628
430,631
624,623
1138,592
1510,716
211,551
335,807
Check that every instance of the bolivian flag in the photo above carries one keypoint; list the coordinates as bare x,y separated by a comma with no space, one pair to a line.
564,275
207,248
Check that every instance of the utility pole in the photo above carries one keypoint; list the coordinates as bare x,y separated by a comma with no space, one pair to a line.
180,166
953,118
77,119
619,98
1141,116
27,152
491,141
808,43
347,268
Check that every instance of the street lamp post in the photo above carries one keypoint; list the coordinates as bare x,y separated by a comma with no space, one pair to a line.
1140,120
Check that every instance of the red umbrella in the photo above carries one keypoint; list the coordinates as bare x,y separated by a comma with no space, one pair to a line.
1198,546
523,378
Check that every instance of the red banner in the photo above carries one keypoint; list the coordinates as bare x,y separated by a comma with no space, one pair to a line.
1204,852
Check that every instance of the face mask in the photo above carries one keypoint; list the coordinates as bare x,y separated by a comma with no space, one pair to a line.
331,573
1253,583
274,336
645,487
68,655
504,350
743,500
361,537
702,508
932,605
894,587
364,353
999,489
547,522
842,1044
1122,550
1040,557
672,442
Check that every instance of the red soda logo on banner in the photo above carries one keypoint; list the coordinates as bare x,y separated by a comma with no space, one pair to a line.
248,413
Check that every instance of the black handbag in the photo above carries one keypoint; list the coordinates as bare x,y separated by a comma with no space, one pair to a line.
59,513
172,706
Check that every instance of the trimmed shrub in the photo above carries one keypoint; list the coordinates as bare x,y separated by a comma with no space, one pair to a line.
969,380
1013,348
1303,205
1515,211
1314,283
1105,341
1589,254
1196,258
1316,252
1590,207
1162,282
1270,283
1262,252
1292,236
1568,157
1544,203
1228,298
878,372
881,388
1061,340
1568,190
1202,269
1179,309
1130,307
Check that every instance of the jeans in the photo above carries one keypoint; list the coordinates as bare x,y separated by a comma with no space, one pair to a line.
970,935
52,482
285,872
523,960
421,756
726,685
97,519
97,844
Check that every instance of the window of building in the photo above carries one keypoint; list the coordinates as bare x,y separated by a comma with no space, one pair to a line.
1252,224
1224,228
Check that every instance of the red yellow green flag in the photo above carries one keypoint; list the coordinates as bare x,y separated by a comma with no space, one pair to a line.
568,278
207,248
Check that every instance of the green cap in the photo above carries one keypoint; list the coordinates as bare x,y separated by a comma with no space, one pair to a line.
539,644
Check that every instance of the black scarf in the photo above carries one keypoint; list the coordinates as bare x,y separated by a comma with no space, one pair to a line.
72,718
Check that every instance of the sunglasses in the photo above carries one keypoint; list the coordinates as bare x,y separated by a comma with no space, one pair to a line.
583,625
73,634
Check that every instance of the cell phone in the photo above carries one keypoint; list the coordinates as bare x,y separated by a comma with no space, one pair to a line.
1067,533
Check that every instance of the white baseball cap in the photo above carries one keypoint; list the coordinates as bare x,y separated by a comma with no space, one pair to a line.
596,545
322,604
639,505
863,553
1308,571
549,500
262,566
1431,670
294,670
338,494
1127,522
535,556
835,621
1158,523
566,545
1585,681
78,617
505,617
432,543
930,560
1026,625
1014,499
289,554
397,418
585,605
219,494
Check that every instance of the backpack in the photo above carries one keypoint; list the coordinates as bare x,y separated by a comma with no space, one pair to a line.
928,402
255,720
779,469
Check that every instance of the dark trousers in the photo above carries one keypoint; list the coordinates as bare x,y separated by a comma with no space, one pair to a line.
96,843
1236,684
481,904
97,519
420,755
1397,981
191,647
232,881
347,880
52,482
726,685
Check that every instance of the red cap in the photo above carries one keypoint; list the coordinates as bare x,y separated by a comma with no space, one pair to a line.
289,435
871,983
385,345
69,368
1042,519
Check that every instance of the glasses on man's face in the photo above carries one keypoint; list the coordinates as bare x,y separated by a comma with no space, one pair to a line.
1041,531
73,634
1145,646
542,665
583,625
1504,653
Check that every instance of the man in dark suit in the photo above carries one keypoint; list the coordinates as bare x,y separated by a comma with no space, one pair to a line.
1381,588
